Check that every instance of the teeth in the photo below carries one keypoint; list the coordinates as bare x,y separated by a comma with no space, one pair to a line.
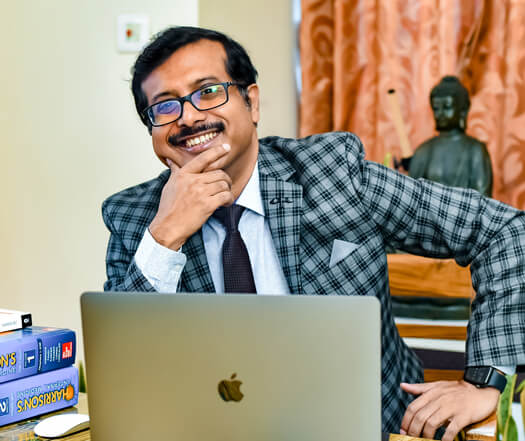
200,139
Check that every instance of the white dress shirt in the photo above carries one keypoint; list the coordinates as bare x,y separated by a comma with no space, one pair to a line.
163,267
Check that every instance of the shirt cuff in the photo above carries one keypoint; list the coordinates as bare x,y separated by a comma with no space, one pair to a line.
161,266
507,370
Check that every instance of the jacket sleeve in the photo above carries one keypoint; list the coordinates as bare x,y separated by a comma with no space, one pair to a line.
122,272
433,220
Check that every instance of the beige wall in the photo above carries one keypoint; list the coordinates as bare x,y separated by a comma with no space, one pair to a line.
69,135
264,28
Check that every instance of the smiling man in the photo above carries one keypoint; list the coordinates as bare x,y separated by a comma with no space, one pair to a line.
234,213
219,113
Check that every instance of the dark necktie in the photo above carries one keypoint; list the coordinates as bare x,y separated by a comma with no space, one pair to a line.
238,276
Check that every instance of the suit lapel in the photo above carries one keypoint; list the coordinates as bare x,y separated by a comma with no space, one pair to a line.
196,276
283,202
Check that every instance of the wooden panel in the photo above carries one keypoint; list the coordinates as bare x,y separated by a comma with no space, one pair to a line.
488,426
395,437
488,432
421,276
432,331
483,431
442,375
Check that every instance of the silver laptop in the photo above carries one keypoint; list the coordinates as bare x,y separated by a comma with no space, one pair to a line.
195,367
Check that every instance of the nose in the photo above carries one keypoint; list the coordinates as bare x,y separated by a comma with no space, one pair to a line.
190,115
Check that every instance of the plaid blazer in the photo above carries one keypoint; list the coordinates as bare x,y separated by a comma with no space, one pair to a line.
319,189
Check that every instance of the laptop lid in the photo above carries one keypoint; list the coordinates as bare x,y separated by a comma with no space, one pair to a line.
232,367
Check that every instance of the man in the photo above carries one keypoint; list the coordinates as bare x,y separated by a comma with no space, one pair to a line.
317,219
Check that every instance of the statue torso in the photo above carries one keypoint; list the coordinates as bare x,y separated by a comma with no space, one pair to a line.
456,160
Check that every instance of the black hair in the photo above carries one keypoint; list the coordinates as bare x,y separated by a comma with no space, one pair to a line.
451,86
238,64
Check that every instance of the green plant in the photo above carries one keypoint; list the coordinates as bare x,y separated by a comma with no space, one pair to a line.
521,391
506,426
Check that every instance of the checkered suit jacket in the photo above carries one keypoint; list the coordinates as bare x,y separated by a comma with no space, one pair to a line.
319,189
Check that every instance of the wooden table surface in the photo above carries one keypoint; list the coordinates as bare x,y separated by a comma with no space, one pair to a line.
23,431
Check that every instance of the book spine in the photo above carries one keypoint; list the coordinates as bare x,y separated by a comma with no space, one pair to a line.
39,394
36,353
11,320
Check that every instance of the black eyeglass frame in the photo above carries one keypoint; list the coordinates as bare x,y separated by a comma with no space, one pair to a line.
183,99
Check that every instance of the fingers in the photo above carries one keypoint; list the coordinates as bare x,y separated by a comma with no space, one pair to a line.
425,406
205,159
190,196
218,187
419,388
426,420
215,176
222,199
455,403
408,424
453,428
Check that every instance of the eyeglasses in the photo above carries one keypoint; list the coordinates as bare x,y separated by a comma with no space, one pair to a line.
206,98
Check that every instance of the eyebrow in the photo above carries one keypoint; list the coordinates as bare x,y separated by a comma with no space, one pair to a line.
196,84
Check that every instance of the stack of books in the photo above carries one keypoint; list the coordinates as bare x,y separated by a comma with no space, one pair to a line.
37,375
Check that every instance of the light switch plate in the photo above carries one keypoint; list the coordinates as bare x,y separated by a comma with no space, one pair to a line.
132,32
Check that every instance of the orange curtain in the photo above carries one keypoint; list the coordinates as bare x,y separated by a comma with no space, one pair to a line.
354,51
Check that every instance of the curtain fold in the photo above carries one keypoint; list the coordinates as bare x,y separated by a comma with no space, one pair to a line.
354,51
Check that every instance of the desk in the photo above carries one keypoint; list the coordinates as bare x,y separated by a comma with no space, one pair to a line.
23,431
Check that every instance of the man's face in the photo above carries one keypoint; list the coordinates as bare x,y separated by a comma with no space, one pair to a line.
186,70
446,112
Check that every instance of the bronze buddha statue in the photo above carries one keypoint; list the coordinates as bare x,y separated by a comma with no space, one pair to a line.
455,159
452,157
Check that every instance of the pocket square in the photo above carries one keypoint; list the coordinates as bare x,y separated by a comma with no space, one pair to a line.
340,250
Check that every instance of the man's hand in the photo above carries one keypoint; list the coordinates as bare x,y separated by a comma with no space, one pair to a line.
190,196
453,403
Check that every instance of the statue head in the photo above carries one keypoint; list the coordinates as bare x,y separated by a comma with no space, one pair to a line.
450,103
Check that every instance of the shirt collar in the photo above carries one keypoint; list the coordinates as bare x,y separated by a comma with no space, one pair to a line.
250,196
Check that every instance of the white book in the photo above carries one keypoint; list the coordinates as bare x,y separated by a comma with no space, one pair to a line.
10,320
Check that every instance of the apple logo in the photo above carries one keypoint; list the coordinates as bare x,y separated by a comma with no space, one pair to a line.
230,390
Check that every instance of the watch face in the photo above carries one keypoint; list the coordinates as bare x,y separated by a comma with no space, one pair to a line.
479,375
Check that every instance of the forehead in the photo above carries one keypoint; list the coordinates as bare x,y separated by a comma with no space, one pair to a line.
185,69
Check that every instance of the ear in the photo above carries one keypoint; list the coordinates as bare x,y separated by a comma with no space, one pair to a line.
253,95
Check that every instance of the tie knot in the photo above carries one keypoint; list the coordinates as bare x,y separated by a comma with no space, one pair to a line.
229,216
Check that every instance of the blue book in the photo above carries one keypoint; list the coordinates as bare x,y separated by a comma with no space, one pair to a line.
34,350
39,394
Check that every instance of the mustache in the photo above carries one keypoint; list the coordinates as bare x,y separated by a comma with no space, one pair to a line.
192,131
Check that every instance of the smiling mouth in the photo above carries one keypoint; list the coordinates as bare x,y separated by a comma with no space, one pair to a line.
199,140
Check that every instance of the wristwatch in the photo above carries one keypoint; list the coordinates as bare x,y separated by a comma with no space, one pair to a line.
485,376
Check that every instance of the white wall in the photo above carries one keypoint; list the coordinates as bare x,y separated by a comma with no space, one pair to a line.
69,135
264,28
